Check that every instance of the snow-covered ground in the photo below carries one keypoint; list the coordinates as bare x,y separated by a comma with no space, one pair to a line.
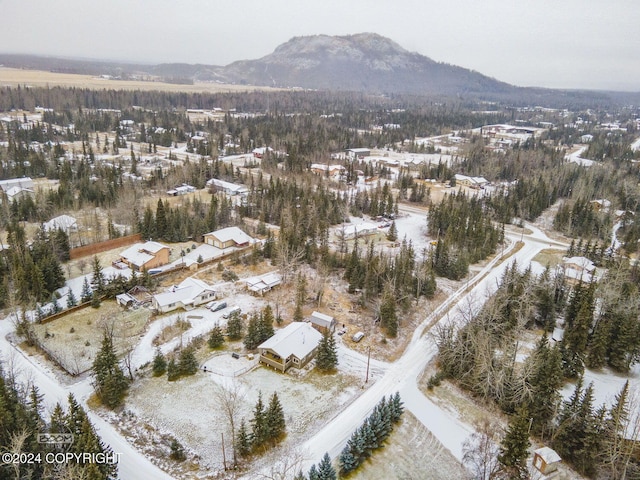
635,146
576,158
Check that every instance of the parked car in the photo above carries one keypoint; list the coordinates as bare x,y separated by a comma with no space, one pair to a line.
231,311
216,306
357,336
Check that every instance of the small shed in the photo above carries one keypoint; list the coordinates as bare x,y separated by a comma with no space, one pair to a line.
546,460
322,322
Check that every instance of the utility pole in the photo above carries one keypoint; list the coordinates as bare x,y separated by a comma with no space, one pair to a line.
366,380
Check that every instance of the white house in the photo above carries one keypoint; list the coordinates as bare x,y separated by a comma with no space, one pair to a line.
227,187
66,223
187,295
16,188
358,229
293,346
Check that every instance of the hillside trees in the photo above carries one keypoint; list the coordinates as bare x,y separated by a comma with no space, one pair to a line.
110,382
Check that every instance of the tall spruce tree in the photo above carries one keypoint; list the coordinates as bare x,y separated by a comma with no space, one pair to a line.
325,469
110,382
514,448
274,419
327,353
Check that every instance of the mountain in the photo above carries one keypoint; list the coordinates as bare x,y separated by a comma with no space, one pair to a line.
364,62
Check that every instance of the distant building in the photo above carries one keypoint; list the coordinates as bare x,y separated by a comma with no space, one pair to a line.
181,190
578,269
227,187
66,223
293,346
16,188
355,153
330,170
228,237
472,182
145,256
359,229
187,295
260,151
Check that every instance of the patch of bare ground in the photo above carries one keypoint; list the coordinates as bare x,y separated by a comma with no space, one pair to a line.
549,257
411,453
38,78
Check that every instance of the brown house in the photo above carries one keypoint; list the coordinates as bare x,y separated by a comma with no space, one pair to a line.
145,256
293,346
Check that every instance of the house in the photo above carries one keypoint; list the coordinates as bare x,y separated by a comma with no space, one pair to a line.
181,190
355,153
293,346
546,460
261,151
329,170
601,205
228,237
263,283
578,269
187,295
359,229
16,188
322,322
227,187
472,182
145,256
66,223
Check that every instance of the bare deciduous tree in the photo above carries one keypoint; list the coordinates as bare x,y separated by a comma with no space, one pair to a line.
480,452
229,398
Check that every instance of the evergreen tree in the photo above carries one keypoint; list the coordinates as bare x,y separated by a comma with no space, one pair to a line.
392,234
177,451
327,353
235,327
396,408
514,448
95,300
243,442
110,382
388,317
173,370
258,424
98,281
161,221
216,337
274,419
188,362
159,364
313,473
252,339
86,294
546,379
71,299
325,469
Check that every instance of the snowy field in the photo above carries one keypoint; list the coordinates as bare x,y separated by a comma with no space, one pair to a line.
188,409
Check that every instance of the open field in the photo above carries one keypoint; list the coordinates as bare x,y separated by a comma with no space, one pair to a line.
411,452
74,339
188,410
37,78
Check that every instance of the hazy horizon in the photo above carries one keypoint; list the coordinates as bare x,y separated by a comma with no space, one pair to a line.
570,45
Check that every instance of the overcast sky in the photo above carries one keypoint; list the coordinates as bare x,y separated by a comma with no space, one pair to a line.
591,44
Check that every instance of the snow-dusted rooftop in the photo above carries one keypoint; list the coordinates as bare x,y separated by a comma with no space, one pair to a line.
231,233
140,253
184,293
297,338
